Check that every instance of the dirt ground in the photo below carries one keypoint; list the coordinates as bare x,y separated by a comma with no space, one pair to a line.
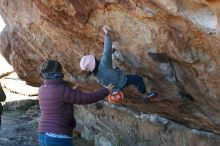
19,128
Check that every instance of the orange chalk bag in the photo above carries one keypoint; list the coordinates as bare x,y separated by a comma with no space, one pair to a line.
115,97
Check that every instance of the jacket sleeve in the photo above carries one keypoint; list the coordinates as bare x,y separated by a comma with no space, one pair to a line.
106,59
78,97
2,94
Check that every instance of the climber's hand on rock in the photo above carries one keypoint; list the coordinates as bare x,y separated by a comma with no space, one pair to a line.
106,29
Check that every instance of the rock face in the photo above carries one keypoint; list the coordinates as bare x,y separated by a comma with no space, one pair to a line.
173,44
118,126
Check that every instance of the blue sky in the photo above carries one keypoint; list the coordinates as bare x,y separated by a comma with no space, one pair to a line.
2,24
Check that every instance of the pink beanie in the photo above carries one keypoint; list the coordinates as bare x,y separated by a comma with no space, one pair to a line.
87,63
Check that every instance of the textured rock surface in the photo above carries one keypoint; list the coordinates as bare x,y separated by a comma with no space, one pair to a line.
174,45
108,127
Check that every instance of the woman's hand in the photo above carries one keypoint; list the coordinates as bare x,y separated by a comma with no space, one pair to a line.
75,87
110,88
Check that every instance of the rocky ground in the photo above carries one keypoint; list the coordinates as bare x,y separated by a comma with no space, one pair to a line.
19,127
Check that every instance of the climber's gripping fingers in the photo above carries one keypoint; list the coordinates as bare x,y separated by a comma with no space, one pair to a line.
106,29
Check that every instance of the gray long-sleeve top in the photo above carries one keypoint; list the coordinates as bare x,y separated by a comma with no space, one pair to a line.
106,74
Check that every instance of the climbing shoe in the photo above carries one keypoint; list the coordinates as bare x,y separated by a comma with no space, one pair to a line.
149,96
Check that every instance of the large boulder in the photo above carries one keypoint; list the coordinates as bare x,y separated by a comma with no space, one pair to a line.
173,44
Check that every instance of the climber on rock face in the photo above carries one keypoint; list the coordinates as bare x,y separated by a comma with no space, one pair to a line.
102,69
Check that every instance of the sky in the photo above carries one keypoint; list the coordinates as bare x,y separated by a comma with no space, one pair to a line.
2,24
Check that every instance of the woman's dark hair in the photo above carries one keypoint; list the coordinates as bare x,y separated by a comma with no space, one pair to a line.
51,66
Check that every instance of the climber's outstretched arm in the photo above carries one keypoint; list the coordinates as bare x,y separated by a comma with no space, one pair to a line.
107,50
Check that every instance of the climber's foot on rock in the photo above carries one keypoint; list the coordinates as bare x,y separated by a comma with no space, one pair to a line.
149,96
